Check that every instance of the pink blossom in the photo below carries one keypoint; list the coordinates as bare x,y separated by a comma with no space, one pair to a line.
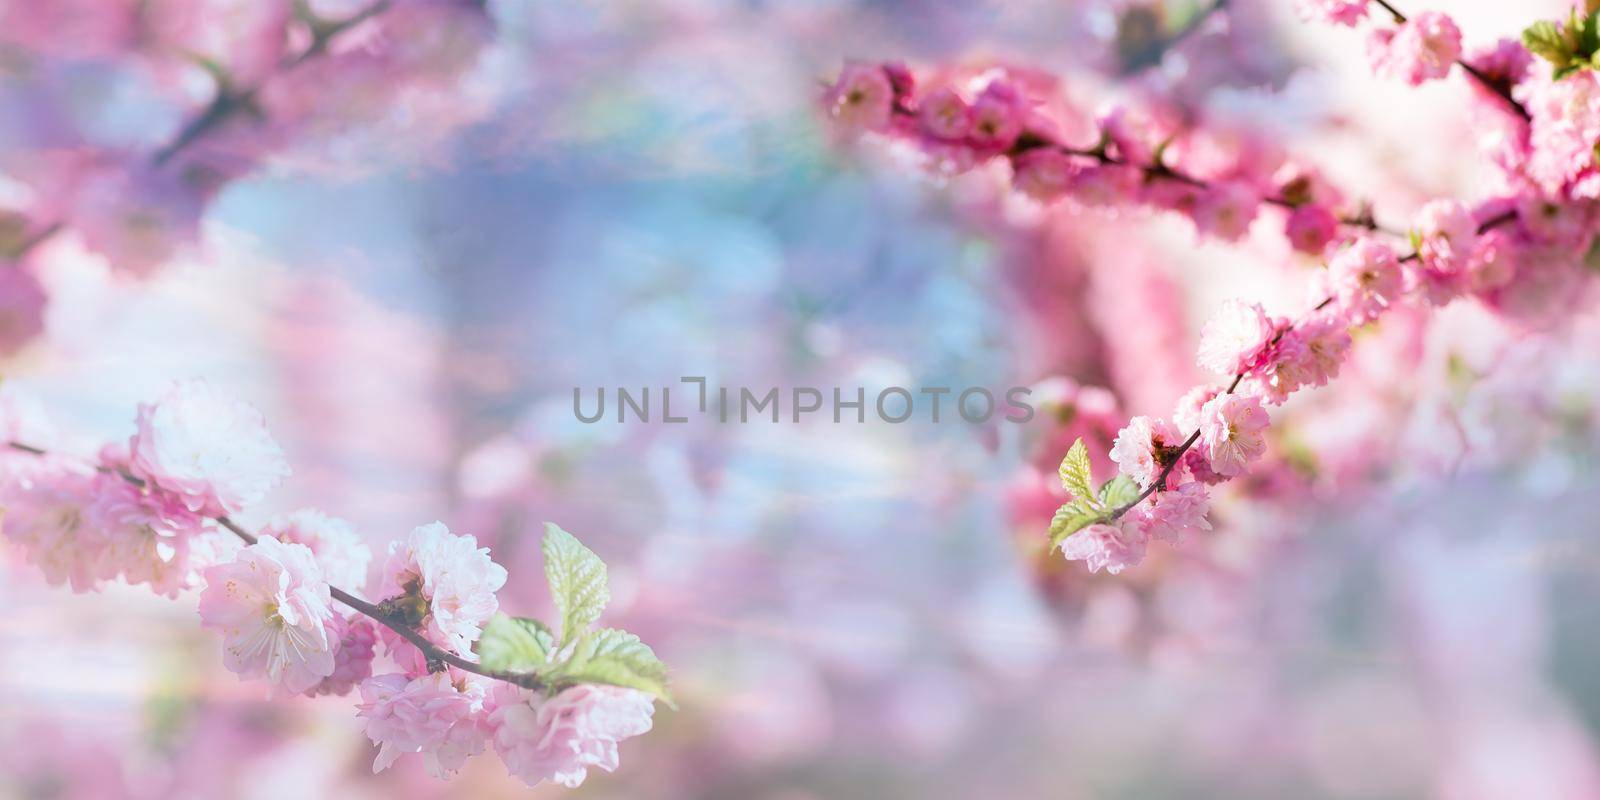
1137,447
1171,514
274,612
997,116
1187,414
22,302
1322,343
944,115
1310,228
1198,465
1111,546
1505,62
1364,279
559,738
1421,49
453,575
340,553
1132,134
1447,237
1236,339
1564,130
1225,210
209,450
1496,261
352,661
862,98
1231,431
1335,12
1044,174
148,535
438,715
46,514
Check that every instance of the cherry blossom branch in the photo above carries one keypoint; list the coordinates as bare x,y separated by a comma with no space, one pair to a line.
1498,88
1175,456
229,102
1160,171
437,658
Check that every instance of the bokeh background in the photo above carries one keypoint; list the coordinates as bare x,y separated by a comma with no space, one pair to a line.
622,193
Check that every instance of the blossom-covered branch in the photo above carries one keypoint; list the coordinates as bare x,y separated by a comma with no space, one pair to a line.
1502,250
552,701
280,72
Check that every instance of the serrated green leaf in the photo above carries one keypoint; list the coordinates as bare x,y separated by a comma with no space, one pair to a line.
515,644
577,580
617,658
1118,492
1075,472
1070,519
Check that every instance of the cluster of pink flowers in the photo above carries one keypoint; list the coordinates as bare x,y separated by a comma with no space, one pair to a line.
1135,153
157,510
1517,252
280,73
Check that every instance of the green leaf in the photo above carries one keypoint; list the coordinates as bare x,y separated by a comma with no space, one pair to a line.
515,644
1118,492
1075,472
577,580
1071,518
617,658
1546,40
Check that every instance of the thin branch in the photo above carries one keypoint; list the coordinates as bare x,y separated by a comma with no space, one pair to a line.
437,657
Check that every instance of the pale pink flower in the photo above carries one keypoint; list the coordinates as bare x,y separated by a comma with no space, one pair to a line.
22,302
1276,375
274,612
944,115
1106,185
1044,173
438,715
1231,431
352,660
1171,514
1236,339
1421,49
1496,262
1132,134
1364,279
1198,465
1564,130
1136,448
862,98
1310,228
559,738
1187,415
46,514
209,450
341,554
148,535
1325,341
1335,12
997,116
456,578
1447,237
1226,210
1505,61
1112,547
